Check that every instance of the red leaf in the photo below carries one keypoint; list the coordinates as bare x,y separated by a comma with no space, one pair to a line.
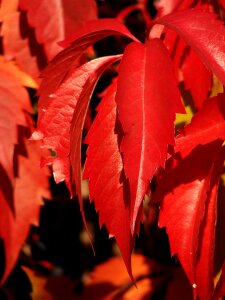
176,48
222,3
78,119
147,113
60,125
14,45
58,69
183,209
199,85
54,124
104,168
168,6
205,263
54,20
14,100
16,217
204,33
206,126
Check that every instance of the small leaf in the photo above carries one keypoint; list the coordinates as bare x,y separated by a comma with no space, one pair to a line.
206,126
204,33
199,85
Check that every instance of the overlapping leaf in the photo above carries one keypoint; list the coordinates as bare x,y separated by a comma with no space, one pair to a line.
205,258
22,183
147,113
68,59
14,100
104,169
204,33
31,184
188,211
198,84
176,48
54,20
60,126
192,191
15,45
206,126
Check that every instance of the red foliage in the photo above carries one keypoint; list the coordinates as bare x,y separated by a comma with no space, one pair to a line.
129,139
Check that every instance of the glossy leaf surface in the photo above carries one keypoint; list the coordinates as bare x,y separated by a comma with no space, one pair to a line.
147,113
189,198
203,32
206,126
104,169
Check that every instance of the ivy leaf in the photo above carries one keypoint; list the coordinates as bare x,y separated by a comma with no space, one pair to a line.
147,113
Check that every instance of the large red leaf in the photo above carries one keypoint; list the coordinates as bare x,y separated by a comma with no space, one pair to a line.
147,113
54,20
206,126
199,85
60,125
31,184
192,186
104,169
69,58
205,259
204,33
